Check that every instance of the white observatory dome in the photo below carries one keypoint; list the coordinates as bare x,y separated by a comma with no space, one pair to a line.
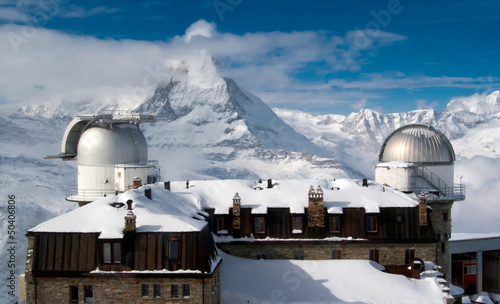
418,144
121,144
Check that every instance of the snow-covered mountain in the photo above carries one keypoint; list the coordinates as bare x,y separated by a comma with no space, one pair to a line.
471,123
213,128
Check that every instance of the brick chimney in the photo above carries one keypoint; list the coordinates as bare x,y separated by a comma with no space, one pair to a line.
137,182
130,224
422,209
236,211
316,208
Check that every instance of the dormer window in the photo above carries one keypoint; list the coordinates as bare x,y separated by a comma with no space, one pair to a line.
371,223
334,224
173,250
111,253
297,224
260,225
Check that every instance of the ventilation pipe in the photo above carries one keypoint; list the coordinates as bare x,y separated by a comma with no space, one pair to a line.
148,193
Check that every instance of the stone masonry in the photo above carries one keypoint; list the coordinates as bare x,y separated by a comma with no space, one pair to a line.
109,288
316,208
389,253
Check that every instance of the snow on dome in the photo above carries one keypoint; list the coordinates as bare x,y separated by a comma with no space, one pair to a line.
121,144
418,144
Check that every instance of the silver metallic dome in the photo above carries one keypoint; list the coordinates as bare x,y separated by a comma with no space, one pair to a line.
418,144
121,144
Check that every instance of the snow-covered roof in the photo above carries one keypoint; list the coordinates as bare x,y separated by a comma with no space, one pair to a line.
347,193
473,236
179,210
166,212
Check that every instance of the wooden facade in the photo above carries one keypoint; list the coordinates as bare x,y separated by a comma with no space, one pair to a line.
84,252
391,223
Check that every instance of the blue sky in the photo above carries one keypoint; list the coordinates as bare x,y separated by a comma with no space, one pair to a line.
317,56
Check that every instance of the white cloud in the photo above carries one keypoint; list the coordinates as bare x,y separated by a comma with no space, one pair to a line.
200,28
424,104
12,14
39,13
74,11
50,66
384,81
480,174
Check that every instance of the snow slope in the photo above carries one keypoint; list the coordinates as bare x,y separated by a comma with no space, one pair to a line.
246,281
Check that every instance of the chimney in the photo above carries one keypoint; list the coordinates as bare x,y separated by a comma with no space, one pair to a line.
167,185
130,224
148,193
422,210
236,211
269,183
365,182
137,182
316,208
129,204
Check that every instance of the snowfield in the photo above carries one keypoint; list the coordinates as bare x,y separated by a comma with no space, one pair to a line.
245,281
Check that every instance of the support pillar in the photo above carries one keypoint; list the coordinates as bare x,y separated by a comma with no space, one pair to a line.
479,271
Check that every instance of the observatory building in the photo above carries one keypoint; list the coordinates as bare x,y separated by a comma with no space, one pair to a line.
111,153
419,159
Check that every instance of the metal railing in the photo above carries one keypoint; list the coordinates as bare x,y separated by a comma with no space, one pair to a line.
425,181
86,195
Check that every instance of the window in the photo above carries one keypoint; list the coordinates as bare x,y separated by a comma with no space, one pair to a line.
173,250
336,254
297,223
374,255
334,224
221,224
89,294
445,216
470,269
111,253
174,291
261,254
186,290
144,290
371,223
260,226
73,294
298,254
409,256
117,255
156,290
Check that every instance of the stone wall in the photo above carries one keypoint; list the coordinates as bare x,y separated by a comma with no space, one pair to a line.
316,209
389,253
441,222
109,288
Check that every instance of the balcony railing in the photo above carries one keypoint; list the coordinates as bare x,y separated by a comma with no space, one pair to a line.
425,181
86,195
